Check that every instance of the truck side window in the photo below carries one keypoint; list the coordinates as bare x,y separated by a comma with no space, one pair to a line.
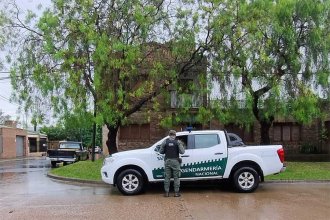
206,140
184,140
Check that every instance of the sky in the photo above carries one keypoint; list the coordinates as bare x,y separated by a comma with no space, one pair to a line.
6,105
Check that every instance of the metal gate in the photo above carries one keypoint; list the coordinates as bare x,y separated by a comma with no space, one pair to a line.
19,146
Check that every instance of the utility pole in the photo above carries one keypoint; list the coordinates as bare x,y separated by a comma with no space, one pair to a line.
94,133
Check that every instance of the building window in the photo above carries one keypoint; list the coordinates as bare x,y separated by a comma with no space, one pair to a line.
193,100
286,132
33,144
135,132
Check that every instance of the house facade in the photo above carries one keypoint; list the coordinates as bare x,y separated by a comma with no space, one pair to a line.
37,143
144,127
13,141
295,138
16,142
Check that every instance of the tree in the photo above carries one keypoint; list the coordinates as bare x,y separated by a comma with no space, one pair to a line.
3,117
75,127
118,54
4,32
273,55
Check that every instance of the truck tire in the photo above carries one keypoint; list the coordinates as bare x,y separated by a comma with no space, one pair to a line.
246,179
53,164
130,182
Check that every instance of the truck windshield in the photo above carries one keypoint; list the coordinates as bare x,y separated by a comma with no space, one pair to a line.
70,145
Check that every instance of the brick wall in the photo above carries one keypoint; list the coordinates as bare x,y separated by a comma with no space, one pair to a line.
8,136
308,134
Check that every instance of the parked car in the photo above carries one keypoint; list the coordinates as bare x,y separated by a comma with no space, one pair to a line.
208,155
98,150
68,152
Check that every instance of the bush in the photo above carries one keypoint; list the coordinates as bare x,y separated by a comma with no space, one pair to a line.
308,148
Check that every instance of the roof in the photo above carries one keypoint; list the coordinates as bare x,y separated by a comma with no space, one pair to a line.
36,133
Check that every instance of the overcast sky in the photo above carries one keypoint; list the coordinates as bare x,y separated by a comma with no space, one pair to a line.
8,107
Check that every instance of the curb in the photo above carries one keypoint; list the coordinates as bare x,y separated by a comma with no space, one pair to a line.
75,180
297,181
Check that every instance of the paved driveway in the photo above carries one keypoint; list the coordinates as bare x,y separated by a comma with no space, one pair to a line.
26,193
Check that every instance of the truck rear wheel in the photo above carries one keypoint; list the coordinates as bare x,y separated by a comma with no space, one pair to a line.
130,182
246,179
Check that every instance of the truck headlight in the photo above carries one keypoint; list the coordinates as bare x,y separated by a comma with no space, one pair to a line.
108,161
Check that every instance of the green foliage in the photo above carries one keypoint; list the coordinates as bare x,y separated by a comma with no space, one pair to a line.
308,148
55,133
119,55
3,117
272,54
75,127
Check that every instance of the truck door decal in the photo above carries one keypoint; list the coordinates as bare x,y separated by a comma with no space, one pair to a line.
200,169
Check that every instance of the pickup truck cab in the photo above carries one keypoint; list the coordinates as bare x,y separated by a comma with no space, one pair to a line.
68,152
207,156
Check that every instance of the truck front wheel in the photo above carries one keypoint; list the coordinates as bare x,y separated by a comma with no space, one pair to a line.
130,182
246,179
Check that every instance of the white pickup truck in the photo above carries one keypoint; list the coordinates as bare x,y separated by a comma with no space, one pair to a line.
207,156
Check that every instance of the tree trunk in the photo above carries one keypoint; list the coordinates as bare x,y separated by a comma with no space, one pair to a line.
112,139
264,131
265,124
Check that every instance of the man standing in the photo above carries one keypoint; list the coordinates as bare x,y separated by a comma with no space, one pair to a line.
171,148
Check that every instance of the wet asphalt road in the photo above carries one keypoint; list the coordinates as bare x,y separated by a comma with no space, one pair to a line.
27,193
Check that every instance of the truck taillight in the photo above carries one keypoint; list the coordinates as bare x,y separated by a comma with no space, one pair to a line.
280,153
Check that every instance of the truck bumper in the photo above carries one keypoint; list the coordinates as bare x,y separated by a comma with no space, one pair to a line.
61,159
107,175
283,169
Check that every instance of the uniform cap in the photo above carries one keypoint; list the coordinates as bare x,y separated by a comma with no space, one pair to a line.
172,132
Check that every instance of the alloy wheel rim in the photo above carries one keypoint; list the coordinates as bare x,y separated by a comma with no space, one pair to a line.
130,182
246,180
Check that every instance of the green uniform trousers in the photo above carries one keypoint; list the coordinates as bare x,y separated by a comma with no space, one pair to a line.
172,167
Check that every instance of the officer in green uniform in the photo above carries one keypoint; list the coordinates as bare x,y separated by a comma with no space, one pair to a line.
171,148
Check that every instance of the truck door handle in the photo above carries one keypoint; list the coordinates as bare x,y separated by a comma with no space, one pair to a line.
218,153
185,156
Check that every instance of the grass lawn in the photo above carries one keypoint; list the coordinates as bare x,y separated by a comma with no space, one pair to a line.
89,170
86,170
304,171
